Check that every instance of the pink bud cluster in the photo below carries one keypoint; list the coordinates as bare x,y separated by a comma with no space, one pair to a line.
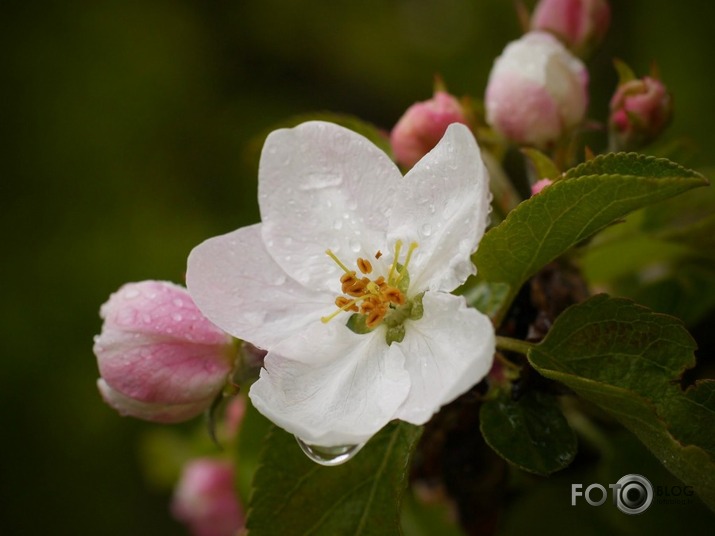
159,358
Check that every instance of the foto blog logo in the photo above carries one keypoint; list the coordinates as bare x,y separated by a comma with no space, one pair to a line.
632,494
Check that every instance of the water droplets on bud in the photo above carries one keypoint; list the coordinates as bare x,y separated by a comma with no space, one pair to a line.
329,456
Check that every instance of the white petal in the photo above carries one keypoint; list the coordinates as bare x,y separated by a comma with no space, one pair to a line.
443,206
330,386
323,186
447,351
237,285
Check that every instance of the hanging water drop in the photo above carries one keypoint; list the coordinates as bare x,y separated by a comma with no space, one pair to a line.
329,456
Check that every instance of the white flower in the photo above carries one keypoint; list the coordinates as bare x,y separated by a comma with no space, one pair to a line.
342,229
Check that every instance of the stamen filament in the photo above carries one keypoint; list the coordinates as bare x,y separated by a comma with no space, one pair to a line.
413,246
330,254
398,247
348,305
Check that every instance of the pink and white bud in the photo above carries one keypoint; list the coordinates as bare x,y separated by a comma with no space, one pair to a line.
640,111
423,125
159,358
205,499
580,24
537,91
540,185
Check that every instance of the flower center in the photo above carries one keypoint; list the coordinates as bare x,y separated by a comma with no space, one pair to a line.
374,300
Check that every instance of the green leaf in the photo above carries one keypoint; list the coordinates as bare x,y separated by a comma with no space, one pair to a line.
530,433
628,360
362,496
542,164
587,199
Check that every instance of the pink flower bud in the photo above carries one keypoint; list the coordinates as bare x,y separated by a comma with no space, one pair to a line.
537,91
640,111
540,185
423,125
580,24
205,500
160,359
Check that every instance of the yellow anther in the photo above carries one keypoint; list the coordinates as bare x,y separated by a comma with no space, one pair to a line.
347,306
364,265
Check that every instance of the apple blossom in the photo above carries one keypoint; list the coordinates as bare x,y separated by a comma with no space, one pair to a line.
205,500
537,91
423,125
160,359
580,24
640,110
347,279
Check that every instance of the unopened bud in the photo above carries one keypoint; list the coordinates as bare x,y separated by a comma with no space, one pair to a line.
160,359
537,91
640,111
580,24
423,125
205,500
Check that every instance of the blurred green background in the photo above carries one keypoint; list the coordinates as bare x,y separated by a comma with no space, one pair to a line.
125,129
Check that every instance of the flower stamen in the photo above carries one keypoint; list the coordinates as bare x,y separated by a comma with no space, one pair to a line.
375,299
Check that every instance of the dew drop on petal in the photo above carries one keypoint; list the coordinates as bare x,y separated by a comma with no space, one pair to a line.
329,456
354,245
178,302
176,317
146,318
338,224
426,229
352,204
281,279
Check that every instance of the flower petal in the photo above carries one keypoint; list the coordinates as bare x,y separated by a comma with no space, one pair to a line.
447,351
148,411
336,388
444,206
323,186
239,287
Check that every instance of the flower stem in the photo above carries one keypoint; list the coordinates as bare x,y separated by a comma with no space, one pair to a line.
514,345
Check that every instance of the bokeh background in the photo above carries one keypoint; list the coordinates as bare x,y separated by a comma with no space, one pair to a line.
125,128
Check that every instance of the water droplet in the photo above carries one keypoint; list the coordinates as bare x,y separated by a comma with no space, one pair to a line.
338,224
178,302
426,229
131,294
329,455
281,279
352,204
176,317
354,245
432,209
146,318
